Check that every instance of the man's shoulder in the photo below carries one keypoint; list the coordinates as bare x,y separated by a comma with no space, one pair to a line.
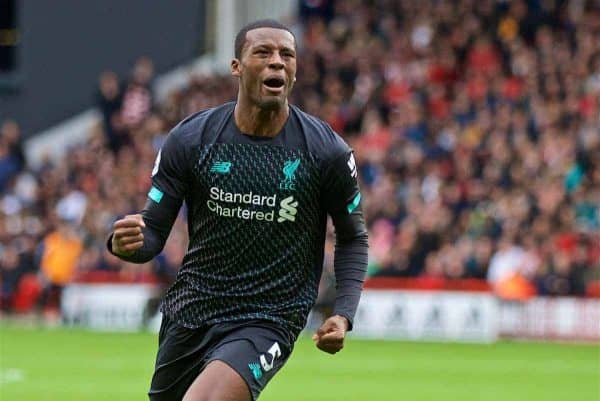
321,138
192,127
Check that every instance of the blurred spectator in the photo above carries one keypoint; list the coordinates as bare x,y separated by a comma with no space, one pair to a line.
109,101
11,133
137,96
60,252
12,156
10,274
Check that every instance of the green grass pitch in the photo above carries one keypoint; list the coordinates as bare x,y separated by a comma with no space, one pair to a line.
65,365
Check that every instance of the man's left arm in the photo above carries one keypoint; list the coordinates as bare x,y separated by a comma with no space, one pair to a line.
343,201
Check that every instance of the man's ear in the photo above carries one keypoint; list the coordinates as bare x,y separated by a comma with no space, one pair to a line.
235,67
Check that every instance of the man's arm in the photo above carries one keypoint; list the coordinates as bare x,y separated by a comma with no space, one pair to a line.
343,202
350,262
140,237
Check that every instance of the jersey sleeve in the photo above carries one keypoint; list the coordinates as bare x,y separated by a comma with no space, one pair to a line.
342,199
170,175
169,187
341,194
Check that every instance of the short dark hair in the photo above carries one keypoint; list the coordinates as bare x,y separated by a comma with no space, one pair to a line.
240,38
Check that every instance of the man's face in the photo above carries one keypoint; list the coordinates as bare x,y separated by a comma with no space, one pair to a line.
267,68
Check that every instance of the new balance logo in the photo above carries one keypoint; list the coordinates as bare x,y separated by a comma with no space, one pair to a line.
288,210
352,165
221,167
255,369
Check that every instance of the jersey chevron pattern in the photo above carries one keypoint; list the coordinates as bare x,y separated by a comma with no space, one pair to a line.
257,212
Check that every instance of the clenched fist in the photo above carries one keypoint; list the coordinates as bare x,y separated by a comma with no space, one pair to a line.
331,334
127,235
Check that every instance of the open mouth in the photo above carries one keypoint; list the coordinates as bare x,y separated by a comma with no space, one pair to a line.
274,84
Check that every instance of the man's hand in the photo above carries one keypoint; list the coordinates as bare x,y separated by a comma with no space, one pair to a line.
330,336
127,235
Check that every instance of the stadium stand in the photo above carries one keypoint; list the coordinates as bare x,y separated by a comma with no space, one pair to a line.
476,127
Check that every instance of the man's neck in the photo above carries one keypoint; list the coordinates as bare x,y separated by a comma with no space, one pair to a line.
253,120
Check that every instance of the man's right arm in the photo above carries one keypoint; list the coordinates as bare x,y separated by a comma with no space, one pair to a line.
140,237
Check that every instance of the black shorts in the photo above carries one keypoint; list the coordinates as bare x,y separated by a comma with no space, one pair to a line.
255,349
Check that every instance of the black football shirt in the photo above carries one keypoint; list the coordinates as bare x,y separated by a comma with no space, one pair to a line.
257,215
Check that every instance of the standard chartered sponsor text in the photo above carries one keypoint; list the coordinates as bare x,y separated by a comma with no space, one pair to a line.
219,203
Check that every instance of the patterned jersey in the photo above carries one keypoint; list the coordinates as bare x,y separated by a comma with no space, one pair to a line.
257,214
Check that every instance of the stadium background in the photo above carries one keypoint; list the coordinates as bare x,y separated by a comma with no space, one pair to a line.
476,126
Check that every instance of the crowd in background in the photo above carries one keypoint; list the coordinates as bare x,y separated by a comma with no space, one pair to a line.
475,125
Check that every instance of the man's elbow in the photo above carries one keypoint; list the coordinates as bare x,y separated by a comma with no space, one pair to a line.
359,238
